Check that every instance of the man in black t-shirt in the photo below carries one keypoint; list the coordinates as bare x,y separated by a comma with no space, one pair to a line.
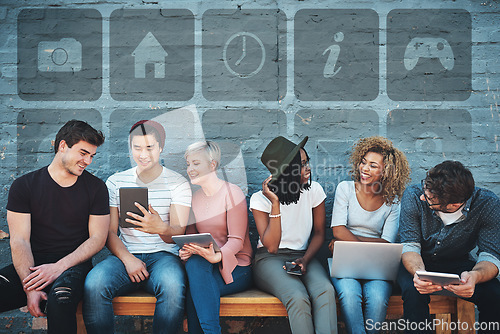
58,219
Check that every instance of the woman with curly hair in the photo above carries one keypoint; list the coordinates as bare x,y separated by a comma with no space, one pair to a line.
367,210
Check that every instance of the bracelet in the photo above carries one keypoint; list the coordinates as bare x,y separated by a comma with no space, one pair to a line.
275,216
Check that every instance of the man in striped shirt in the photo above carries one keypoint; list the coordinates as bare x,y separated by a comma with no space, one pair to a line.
143,256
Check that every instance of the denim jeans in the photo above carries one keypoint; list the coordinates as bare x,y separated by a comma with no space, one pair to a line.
206,286
416,306
63,295
353,293
109,279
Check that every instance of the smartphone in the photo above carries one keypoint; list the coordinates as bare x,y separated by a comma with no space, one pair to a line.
128,196
43,306
293,269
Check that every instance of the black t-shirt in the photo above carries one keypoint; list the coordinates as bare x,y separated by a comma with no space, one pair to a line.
59,215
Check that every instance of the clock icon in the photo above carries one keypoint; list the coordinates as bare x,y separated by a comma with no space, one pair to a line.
244,54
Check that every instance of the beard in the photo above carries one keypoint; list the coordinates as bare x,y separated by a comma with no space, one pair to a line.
71,168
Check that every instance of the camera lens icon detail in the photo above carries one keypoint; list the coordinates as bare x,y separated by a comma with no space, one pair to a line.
64,55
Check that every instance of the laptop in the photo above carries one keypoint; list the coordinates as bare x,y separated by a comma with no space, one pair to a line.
365,260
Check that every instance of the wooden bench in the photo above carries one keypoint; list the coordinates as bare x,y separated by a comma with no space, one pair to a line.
255,303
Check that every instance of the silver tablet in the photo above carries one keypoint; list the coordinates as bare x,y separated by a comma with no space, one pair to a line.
201,239
439,278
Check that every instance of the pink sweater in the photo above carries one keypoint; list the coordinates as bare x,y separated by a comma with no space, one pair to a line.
224,216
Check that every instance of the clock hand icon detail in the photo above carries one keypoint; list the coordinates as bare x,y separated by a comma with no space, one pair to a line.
244,51
251,52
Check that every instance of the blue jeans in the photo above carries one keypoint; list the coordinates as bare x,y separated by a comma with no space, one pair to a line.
206,286
109,279
416,306
353,293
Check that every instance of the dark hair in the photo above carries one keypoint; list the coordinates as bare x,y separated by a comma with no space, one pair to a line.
75,131
450,182
288,186
144,129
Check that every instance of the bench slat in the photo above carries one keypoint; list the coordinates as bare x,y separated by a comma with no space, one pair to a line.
256,303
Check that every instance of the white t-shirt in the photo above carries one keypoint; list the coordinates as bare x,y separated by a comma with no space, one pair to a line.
296,219
168,188
381,223
449,218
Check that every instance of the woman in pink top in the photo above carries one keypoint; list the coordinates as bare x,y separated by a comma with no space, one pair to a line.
219,208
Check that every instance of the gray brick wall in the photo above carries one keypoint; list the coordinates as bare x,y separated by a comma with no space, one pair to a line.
422,73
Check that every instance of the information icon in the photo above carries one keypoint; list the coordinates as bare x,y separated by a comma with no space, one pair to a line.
336,55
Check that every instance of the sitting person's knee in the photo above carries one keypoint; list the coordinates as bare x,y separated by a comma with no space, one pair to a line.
61,295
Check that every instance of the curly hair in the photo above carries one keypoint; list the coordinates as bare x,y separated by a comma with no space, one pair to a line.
396,173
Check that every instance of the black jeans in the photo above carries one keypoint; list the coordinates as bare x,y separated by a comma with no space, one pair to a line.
64,293
416,306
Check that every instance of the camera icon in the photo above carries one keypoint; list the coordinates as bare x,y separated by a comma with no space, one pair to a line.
64,55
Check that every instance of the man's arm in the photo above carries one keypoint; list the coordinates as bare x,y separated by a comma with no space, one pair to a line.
45,274
179,216
482,272
488,262
136,269
413,262
22,256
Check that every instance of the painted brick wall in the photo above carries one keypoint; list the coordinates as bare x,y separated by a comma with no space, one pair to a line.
422,73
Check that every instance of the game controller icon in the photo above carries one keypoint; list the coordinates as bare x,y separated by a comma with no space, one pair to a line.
429,47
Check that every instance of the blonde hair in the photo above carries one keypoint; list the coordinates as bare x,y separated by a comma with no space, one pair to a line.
396,173
211,148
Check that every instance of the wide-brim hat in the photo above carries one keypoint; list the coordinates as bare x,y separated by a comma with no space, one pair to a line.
279,153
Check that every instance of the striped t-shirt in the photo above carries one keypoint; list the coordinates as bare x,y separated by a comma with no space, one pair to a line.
168,188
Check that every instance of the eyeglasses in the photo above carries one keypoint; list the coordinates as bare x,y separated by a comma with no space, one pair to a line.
427,199
305,164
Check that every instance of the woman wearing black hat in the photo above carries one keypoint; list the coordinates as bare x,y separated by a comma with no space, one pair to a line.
289,214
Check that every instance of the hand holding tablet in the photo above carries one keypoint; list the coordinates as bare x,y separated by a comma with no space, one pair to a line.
438,278
128,197
201,239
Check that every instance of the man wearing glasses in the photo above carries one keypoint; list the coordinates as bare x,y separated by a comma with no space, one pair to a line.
441,221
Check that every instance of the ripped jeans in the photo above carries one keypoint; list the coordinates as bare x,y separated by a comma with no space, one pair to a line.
63,294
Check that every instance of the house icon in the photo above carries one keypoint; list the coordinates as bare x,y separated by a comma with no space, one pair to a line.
149,51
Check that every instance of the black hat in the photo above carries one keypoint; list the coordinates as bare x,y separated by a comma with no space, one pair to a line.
279,153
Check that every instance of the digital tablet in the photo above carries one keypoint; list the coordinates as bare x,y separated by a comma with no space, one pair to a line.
438,278
201,239
128,196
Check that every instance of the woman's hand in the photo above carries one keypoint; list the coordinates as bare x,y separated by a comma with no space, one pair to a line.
184,255
330,245
207,253
267,191
302,263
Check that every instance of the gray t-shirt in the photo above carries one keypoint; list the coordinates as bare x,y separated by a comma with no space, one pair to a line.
381,223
